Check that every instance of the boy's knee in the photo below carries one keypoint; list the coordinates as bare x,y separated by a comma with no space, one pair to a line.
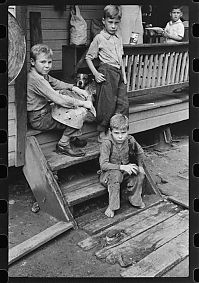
115,176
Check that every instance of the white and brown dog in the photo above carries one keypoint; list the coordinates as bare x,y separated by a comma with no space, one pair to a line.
87,82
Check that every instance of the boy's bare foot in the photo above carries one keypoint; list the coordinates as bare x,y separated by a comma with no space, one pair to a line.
109,212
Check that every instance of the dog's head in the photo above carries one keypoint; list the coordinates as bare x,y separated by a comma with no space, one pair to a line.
82,80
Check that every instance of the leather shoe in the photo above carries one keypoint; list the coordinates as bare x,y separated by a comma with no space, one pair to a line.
77,142
68,150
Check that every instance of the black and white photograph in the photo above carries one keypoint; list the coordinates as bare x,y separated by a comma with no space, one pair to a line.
98,140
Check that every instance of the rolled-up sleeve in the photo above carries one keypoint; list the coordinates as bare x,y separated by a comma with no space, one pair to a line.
93,49
105,151
42,87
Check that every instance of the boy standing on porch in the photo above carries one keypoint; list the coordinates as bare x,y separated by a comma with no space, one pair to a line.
42,90
121,161
111,93
174,30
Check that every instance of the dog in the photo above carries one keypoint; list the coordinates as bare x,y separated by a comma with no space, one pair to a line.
87,82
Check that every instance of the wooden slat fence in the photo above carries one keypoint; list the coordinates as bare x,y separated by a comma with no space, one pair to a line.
155,65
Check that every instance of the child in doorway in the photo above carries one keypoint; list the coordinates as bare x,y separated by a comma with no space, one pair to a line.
121,160
42,90
111,92
174,30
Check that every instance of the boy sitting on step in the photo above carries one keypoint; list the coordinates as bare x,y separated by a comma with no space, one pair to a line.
121,161
43,90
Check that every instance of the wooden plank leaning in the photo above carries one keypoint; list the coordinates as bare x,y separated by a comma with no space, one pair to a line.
38,240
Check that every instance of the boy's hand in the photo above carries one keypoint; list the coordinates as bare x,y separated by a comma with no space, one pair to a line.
141,169
165,34
130,168
99,77
81,92
88,104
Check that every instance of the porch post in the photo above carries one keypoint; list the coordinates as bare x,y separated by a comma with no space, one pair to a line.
20,98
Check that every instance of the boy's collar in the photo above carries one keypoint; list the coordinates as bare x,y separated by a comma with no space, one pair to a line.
172,23
108,35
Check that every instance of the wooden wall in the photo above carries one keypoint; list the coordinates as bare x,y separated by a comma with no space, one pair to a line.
55,32
56,27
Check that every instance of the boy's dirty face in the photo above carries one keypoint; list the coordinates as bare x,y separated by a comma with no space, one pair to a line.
119,136
42,64
111,25
176,14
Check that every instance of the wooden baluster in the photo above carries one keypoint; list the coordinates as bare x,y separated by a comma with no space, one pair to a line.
154,75
164,71
178,68
140,72
150,71
170,68
160,64
144,78
134,71
186,72
129,66
174,67
183,66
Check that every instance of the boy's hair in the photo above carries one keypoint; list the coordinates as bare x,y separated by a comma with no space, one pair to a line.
119,122
176,7
37,49
112,12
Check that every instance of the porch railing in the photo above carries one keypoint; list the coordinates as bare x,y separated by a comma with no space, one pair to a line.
156,65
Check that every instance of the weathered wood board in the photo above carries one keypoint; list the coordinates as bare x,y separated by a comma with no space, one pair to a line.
179,270
99,222
162,259
43,183
38,240
132,226
138,247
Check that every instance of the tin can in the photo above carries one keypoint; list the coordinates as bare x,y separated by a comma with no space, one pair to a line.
134,38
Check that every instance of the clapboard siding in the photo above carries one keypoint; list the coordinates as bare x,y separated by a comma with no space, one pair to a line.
56,27
11,125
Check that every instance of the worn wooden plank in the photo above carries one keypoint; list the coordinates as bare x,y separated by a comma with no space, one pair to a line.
138,247
144,78
60,161
43,184
174,67
164,71
178,68
133,225
134,71
179,270
85,193
99,222
89,179
20,100
129,67
140,70
160,66
153,122
149,74
186,72
35,28
37,241
170,68
184,59
155,69
162,90
156,263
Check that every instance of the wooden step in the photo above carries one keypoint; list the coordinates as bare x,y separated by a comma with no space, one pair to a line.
58,161
82,190
88,188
